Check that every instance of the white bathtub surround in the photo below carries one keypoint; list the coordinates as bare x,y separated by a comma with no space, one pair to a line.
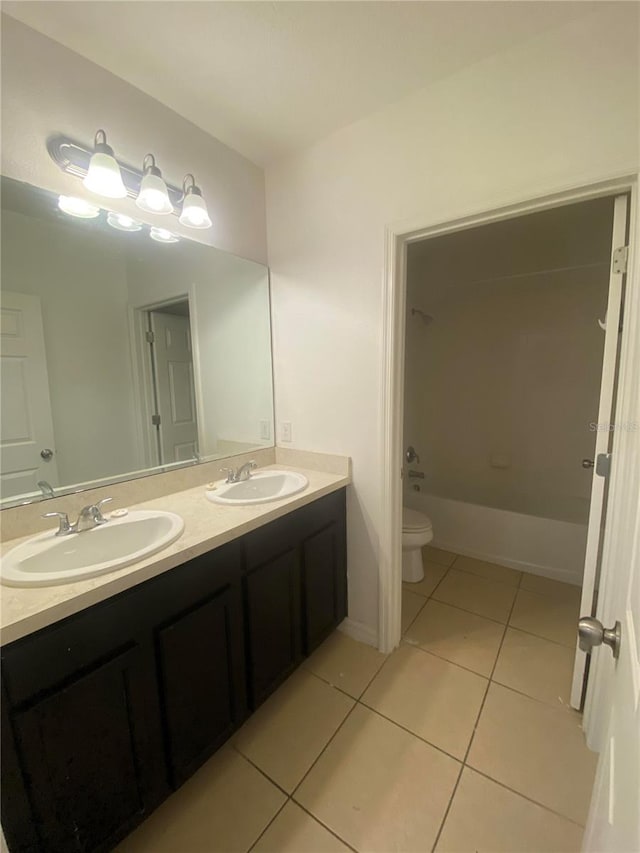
529,543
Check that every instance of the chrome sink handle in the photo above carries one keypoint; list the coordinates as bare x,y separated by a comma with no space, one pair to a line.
231,475
90,516
64,528
98,517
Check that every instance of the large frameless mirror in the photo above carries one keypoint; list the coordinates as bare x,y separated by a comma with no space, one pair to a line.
125,351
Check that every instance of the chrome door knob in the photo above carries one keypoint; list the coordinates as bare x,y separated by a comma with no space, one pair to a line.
46,454
410,455
591,632
587,463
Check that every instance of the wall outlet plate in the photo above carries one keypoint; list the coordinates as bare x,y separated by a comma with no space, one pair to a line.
285,431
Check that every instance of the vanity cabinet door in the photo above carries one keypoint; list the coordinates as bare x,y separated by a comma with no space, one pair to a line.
201,673
90,766
272,607
323,584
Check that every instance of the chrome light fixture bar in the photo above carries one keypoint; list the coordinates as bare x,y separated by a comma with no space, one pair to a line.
74,159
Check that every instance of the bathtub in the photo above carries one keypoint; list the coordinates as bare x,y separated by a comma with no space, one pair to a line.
530,542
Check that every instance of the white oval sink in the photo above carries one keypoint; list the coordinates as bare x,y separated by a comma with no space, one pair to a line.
47,559
260,488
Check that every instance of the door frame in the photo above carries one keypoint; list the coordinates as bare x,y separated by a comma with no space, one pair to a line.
142,378
397,238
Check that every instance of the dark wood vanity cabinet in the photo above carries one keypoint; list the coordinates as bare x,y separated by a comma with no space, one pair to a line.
108,711
295,590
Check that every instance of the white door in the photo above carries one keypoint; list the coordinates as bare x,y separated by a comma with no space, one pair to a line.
603,439
612,707
27,446
175,394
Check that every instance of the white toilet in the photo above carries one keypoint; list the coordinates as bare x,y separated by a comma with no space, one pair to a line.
416,533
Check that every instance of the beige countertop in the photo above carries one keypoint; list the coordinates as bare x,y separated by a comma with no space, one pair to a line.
24,610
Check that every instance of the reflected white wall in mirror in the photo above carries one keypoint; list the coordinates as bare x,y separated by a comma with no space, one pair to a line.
82,377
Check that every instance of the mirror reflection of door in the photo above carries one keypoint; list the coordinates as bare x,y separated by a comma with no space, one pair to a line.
28,447
172,373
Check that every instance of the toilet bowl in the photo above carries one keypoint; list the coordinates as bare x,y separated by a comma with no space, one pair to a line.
416,533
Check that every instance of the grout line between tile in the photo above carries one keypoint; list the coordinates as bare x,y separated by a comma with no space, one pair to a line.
425,555
473,612
335,686
249,849
324,748
422,606
539,636
409,732
558,707
328,828
475,726
260,770
414,645
448,808
493,580
524,796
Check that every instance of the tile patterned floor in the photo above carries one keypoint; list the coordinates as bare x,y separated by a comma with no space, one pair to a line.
461,740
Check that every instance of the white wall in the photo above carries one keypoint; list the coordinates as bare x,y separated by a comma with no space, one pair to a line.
559,111
49,90
80,278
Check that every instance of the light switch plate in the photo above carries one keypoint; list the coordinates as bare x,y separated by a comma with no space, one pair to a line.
265,430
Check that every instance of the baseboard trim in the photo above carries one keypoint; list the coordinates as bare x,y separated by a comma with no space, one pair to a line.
359,631
552,572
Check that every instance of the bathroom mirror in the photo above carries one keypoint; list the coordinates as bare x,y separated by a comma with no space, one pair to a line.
125,351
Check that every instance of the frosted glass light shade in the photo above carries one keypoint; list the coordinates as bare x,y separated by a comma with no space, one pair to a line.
73,206
123,222
153,196
161,235
194,211
103,177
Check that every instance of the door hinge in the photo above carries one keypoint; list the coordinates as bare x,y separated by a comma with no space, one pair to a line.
620,256
155,420
150,337
603,464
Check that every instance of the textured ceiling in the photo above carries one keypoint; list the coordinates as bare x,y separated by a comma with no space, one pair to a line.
267,78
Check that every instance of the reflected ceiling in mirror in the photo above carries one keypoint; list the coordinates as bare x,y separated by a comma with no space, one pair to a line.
125,351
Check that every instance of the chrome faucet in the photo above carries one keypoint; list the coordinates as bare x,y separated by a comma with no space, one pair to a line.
243,472
46,489
89,517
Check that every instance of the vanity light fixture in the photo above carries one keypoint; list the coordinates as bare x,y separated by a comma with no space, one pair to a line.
161,235
103,176
123,222
194,210
73,206
153,196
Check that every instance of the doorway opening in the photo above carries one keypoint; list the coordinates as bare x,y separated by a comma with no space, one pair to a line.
168,412
578,510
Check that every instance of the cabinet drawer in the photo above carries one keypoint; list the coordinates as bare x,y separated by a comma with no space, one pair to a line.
40,661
